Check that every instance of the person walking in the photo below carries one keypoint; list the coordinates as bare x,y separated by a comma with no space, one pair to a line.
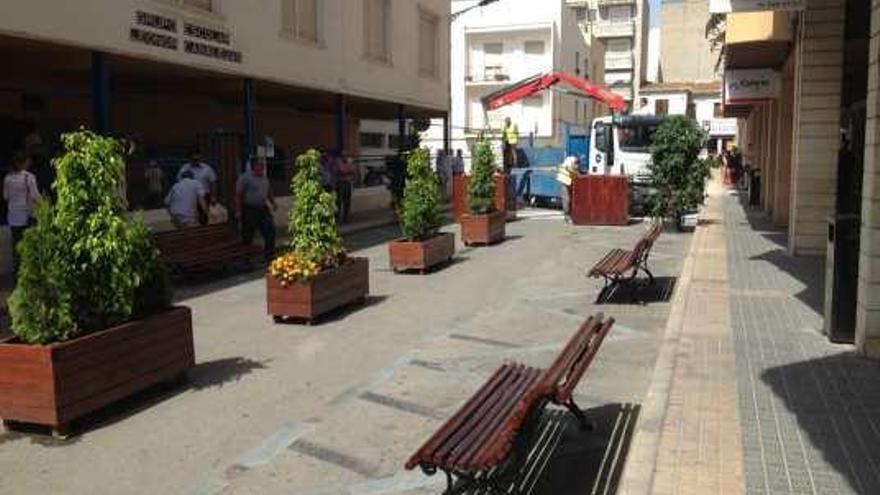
345,173
255,206
568,170
441,168
509,140
185,200
21,195
458,163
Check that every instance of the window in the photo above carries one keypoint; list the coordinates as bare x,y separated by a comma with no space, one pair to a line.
534,47
299,19
206,5
493,61
394,141
534,101
618,45
429,30
619,13
577,63
636,137
717,110
692,110
376,29
372,140
661,107
580,13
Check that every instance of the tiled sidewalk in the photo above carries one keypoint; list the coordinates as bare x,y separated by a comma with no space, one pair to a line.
809,409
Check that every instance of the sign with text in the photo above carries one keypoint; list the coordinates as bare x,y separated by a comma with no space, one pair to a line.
161,31
722,127
727,6
747,85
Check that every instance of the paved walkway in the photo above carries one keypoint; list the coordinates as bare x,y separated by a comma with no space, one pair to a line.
748,396
336,408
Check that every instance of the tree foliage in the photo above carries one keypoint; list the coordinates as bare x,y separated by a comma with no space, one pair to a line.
314,238
422,213
84,267
677,173
481,188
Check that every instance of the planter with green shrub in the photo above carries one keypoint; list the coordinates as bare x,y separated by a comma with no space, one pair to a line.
315,275
91,311
483,223
678,174
422,245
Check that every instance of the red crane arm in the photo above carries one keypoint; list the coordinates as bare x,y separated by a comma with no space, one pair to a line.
540,82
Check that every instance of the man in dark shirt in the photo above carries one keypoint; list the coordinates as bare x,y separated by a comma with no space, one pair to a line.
255,205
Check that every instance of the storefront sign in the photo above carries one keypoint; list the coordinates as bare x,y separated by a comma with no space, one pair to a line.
155,21
727,6
722,127
742,86
206,33
205,50
153,39
153,30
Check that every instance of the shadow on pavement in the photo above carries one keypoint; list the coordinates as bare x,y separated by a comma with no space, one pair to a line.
338,314
836,400
808,270
203,376
566,460
639,293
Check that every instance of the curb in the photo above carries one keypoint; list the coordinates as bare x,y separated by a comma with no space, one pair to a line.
638,474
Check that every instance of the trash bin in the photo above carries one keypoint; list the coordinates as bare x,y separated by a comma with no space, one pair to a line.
841,277
754,187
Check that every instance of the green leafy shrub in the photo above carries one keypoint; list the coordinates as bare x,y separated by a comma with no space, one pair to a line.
84,266
315,243
422,214
678,175
481,188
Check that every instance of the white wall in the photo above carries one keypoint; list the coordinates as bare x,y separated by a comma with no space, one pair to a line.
678,102
336,64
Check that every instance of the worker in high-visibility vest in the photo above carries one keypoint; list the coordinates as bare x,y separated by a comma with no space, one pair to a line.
509,139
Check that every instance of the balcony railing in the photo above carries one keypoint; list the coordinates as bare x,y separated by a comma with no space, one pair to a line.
488,74
614,29
604,3
618,61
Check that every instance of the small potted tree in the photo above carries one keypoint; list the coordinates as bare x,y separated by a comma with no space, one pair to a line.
483,223
678,175
91,311
422,245
315,275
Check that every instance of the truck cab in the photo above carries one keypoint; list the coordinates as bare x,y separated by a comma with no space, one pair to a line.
620,145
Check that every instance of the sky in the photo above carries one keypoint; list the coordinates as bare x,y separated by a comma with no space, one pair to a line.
655,13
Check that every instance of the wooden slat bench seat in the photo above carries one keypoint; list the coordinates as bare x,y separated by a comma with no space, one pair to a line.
486,442
623,266
202,248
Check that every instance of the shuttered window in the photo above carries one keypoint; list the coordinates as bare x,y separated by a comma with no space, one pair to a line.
376,29
198,4
429,30
300,19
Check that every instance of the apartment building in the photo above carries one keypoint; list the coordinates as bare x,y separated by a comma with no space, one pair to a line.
225,77
502,43
623,26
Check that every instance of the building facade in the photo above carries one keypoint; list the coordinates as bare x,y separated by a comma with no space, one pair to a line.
685,52
229,79
503,43
623,26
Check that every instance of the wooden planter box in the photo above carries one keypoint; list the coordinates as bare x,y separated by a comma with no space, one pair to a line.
324,293
600,200
55,384
483,229
505,197
421,255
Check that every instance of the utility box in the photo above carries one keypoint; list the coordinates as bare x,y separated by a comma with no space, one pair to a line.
841,277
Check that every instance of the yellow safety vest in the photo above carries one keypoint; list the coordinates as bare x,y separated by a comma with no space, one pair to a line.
511,134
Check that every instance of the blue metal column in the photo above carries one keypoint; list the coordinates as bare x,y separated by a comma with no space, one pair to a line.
447,135
340,123
401,129
250,121
100,93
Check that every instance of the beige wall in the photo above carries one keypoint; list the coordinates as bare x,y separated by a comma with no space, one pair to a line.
783,142
685,53
335,64
816,125
868,309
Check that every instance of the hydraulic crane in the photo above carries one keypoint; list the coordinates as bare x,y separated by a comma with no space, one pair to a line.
540,82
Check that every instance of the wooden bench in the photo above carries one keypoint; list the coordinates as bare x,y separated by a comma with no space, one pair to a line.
623,266
487,441
202,248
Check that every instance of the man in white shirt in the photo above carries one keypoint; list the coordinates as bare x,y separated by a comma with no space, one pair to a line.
21,194
184,201
203,173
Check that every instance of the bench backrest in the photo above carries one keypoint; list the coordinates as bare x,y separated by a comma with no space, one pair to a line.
183,240
646,241
563,375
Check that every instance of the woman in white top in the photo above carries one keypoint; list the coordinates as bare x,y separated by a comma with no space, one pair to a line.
21,194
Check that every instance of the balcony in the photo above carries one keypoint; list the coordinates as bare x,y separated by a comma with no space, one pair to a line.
614,29
757,39
605,3
618,61
487,75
